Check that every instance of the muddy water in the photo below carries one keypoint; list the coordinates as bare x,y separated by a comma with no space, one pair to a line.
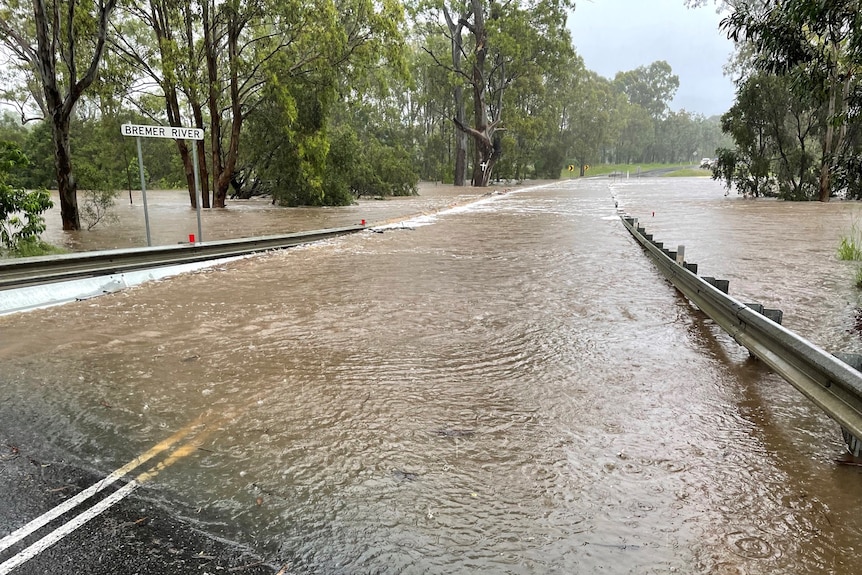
509,388
172,220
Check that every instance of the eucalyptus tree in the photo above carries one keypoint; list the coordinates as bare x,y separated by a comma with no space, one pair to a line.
60,43
774,126
818,46
432,107
637,135
652,88
159,40
531,138
244,41
493,45
595,120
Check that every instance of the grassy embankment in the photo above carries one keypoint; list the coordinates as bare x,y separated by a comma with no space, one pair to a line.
676,170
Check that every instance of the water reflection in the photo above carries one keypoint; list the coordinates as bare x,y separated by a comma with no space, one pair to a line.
512,389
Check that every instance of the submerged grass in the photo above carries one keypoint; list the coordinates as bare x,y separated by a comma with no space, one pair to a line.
689,173
631,169
850,248
33,247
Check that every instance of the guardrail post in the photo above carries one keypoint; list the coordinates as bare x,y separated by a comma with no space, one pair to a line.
853,443
680,255
775,315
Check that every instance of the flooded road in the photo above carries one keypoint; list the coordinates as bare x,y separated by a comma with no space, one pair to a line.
172,220
506,387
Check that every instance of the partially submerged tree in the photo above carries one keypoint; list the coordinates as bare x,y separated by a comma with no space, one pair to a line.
492,46
817,46
61,42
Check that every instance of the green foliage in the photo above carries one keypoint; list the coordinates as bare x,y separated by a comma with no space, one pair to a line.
650,87
772,125
850,248
369,167
20,211
97,207
688,173
35,247
812,49
347,98
37,146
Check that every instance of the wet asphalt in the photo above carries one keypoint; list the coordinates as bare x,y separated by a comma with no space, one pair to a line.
134,536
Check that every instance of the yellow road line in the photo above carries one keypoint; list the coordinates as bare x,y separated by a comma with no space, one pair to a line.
50,539
73,502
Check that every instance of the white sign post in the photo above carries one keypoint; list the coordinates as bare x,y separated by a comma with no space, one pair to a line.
172,133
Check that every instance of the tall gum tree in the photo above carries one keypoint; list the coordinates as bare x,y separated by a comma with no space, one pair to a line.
652,88
157,39
242,40
818,45
493,45
61,42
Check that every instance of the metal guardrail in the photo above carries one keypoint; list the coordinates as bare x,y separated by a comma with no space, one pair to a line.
48,269
826,380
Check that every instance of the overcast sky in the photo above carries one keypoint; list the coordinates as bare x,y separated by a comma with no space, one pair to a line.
619,35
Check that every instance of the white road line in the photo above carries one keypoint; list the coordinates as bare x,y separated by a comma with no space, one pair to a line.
59,533
70,504
48,540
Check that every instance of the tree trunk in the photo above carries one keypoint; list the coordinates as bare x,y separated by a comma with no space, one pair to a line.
58,106
160,20
212,97
226,175
826,161
194,97
189,170
197,113
67,187
461,139
183,148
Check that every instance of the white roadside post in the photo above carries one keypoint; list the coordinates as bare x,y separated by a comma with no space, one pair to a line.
173,133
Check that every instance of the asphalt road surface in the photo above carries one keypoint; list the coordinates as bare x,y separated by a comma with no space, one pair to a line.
132,536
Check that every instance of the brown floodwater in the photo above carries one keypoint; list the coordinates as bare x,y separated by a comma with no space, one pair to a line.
506,387
172,220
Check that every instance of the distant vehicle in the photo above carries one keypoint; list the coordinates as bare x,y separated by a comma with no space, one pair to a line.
706,163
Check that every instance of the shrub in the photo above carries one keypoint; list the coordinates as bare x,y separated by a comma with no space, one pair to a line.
20,211
850,248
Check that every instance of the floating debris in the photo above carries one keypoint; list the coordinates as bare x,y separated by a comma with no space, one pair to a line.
444,432
402,475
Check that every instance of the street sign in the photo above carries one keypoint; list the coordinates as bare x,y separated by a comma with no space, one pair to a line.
139,131
171,132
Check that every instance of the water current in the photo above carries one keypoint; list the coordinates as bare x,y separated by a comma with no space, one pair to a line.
509,386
